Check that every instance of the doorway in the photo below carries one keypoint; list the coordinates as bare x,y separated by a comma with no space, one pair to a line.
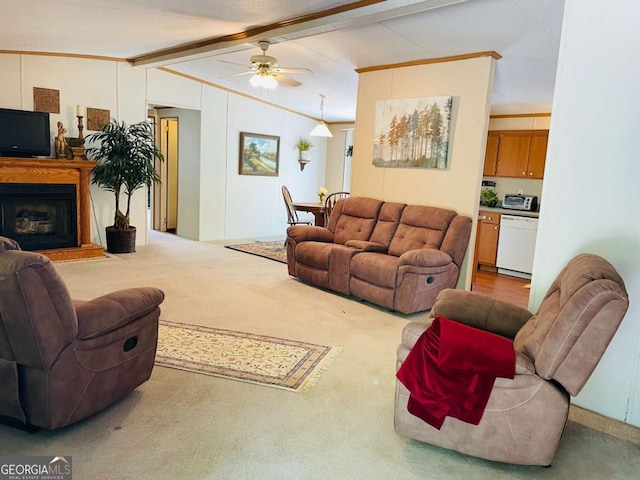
165,216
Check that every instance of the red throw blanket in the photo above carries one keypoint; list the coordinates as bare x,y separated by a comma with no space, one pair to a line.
451,370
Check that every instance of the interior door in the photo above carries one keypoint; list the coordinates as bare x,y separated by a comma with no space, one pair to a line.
167,218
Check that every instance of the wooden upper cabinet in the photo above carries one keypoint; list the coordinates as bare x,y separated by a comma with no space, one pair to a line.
516,153
491,155
513,155
537,154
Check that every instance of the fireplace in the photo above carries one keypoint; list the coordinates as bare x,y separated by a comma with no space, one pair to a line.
39,216
44,205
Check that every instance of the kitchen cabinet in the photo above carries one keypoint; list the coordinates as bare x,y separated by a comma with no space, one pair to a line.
537,154
491,155
487,238
516,153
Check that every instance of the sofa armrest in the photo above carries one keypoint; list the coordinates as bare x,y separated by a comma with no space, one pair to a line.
425,257
367,246
480,311
114,310
309,233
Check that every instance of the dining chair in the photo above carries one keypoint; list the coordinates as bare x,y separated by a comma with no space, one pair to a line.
292,214
330,202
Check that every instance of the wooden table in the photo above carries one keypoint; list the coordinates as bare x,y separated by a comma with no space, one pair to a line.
316,208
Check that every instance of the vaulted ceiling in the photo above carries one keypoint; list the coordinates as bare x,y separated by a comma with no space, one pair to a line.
214,41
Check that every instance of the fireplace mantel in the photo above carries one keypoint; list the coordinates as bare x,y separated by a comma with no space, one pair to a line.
51,170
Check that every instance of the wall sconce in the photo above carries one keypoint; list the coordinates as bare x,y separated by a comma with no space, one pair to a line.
321,130
303,145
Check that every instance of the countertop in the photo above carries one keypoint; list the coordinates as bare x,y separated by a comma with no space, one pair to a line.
508,211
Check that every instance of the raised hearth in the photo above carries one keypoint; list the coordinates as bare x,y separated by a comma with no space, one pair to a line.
62,210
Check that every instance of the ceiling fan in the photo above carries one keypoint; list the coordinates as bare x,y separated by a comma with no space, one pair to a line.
266,72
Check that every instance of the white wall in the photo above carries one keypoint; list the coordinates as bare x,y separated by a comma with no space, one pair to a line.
213,167
215,201
336,156
104,84
230,205
592,180
188,181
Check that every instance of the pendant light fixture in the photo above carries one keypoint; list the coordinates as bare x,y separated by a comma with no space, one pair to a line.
321,130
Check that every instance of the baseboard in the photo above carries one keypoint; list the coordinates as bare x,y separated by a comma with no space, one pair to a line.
604,424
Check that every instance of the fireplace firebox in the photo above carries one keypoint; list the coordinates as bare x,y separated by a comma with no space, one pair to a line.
39,216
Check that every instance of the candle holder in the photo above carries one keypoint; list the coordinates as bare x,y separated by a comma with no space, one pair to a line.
78,153
80,128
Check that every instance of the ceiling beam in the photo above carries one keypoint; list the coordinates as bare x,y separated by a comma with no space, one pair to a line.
354,14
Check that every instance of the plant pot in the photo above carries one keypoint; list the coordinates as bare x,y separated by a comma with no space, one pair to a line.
121,241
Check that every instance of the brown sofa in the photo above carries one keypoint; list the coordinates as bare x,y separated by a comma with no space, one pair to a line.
394,255
556,350
62,360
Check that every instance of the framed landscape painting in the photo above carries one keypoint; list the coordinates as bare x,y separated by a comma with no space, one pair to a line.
412,133
259,154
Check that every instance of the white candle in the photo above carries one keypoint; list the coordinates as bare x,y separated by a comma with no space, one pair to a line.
78,110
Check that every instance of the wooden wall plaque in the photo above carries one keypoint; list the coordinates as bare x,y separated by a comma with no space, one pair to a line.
97,118
46,100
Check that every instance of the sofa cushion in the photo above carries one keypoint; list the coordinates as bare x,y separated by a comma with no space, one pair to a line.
314,254
387,223
354,219
420,226
376,268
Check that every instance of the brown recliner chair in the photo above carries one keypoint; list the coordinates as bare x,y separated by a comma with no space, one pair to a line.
556,350
63,360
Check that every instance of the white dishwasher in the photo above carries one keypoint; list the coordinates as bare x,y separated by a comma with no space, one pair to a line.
516,245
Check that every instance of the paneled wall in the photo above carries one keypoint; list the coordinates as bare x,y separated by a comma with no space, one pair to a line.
224,205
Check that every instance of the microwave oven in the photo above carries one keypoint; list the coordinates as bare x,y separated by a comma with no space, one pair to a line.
520,202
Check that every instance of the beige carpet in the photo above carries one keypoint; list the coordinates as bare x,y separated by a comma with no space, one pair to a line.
199,427
271,250
270,361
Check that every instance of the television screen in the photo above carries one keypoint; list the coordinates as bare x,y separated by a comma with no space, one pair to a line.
24,134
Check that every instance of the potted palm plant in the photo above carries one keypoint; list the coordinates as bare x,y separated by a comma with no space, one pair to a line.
303,145
125,157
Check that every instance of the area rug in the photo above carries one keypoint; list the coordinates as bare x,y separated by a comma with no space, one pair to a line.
271,250
270,361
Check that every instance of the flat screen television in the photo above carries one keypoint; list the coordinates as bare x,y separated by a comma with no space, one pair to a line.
24,134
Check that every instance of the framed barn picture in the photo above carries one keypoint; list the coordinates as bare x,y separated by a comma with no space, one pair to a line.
259,154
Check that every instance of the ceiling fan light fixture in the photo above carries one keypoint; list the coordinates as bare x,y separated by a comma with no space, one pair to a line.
263,80
321,129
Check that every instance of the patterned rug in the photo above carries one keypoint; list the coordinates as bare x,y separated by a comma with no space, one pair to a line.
271,250
270,361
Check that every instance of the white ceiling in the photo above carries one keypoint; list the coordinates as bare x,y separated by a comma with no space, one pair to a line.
525,32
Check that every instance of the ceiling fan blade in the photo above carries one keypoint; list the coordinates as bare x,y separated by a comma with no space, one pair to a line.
292,82
243,65
250,72
294,70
